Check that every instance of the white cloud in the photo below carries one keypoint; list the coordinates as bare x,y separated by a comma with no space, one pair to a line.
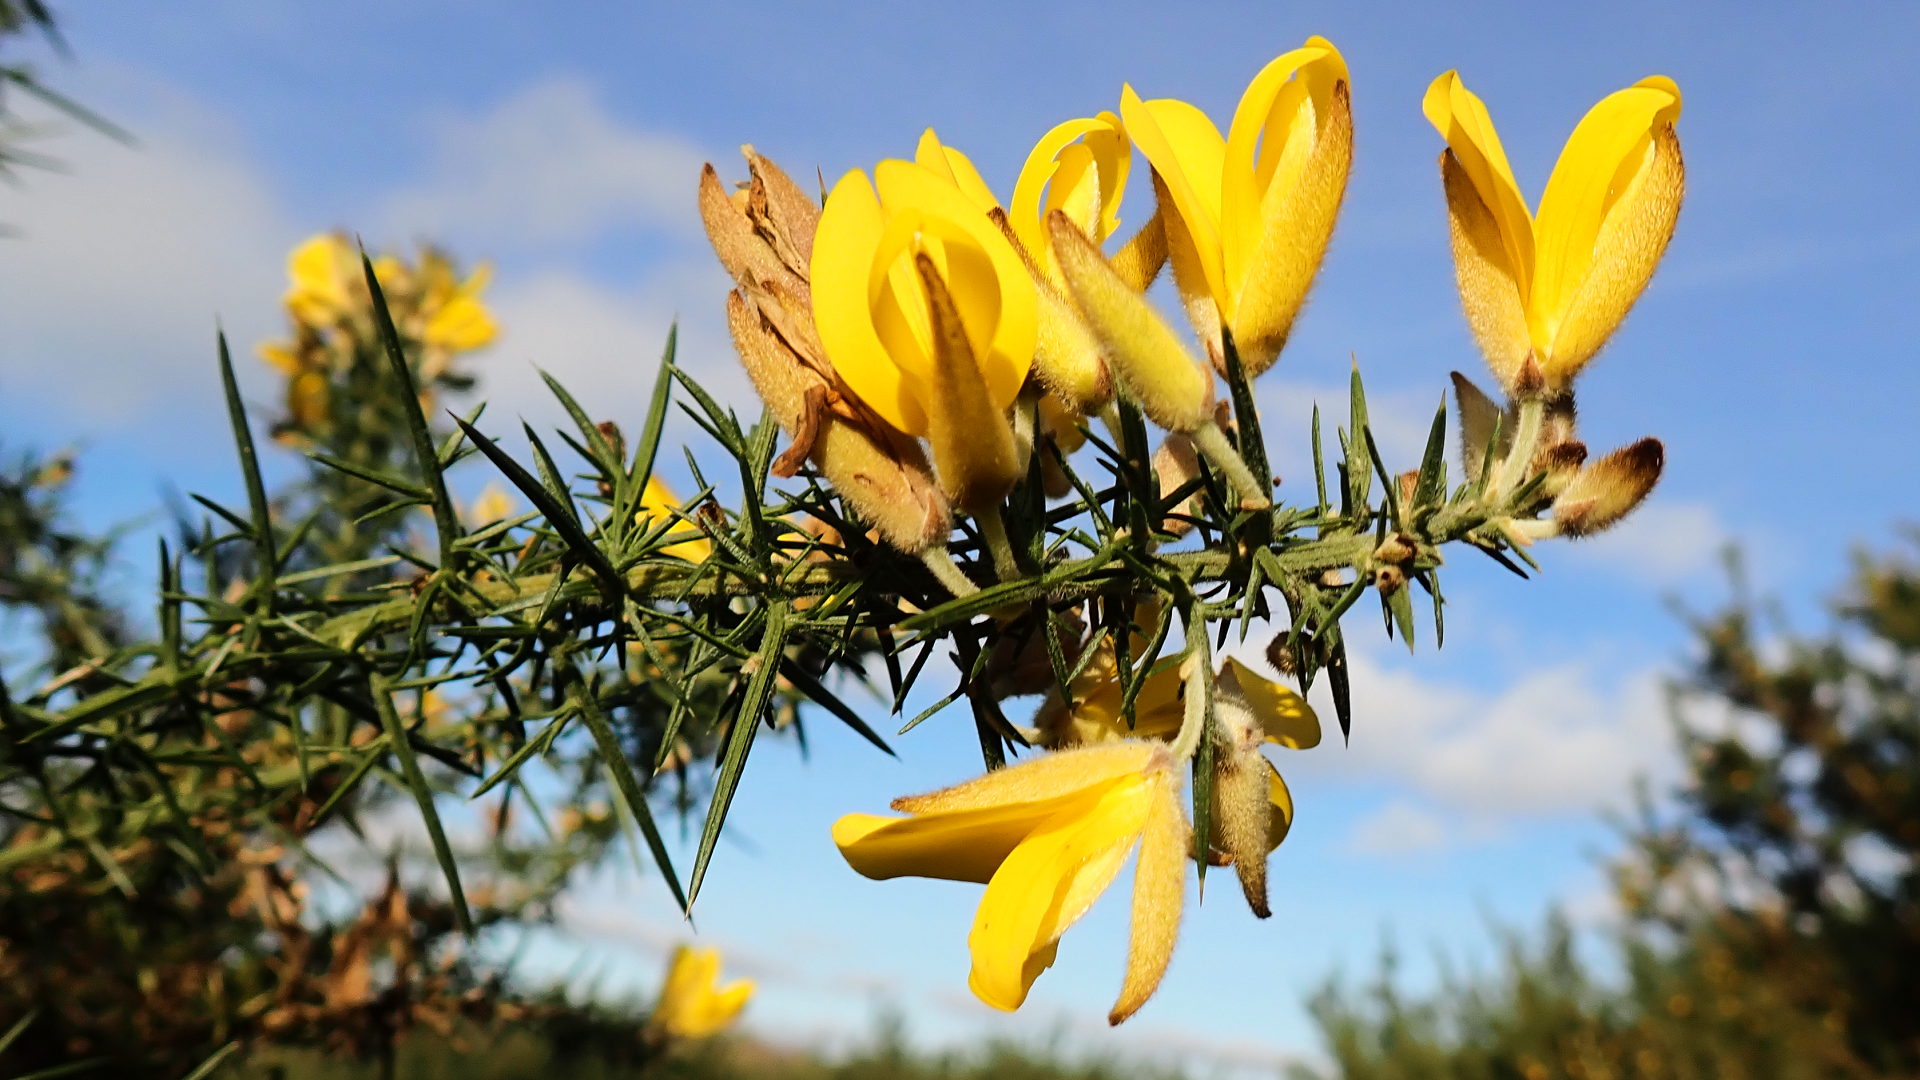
1552,742
603,343
123,261
549,165
1399,828
1660,542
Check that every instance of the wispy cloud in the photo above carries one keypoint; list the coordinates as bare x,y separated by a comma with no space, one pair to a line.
548,165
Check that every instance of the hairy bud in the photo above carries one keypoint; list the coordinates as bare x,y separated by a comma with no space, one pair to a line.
1609,489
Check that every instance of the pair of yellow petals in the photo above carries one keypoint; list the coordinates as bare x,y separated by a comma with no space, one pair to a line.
1555,285
693,1004
1049,835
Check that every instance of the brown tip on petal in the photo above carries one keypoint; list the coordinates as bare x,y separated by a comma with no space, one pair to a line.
1174,464
747,256
1478,415
1561,462
1609,489
1529,381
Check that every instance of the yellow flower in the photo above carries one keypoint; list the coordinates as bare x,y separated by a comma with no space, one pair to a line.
1080,168
693,1004
1556,285
1047,837
323,271
456,319
1248,217
1252,808
494,504
657,503
928,314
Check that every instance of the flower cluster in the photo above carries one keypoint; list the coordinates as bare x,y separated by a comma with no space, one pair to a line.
930,349
437,314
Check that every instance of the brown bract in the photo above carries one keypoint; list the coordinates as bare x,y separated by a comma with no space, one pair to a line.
763,235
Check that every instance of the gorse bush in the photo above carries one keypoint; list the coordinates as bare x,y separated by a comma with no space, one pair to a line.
956,457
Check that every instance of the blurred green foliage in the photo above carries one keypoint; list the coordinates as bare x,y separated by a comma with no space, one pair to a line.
1772,918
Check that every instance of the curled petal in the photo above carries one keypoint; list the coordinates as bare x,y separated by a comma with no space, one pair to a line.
1047,882
1461,118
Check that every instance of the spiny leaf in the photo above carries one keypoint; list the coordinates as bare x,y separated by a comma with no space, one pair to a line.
617,764
746,724
446,520
378,685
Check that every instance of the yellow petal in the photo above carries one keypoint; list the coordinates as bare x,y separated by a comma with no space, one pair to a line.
464,323
1045,777
1461,118
1489,288
1611,147
1140,259
851,227
308,397
1284,716
1276,122
657,502
1281,239
1188,153
1159,894
996,299
1080,166
1626,251
317,270
1189,274
955,168
717,1009
282,357
1173,389
1282,800
1025,906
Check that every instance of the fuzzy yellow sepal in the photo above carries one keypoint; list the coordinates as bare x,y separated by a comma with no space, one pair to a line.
1047,836
1173,389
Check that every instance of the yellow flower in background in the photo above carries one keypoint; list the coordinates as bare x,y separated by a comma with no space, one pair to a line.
657,503
693,1004
1556,285
495,503
1079,168
928,314
1047,837
322,272
456,320
1248,217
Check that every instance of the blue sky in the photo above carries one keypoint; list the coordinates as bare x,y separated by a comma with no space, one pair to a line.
1773,355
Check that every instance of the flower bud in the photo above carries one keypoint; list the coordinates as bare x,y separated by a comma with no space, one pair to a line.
1174,390
1609,489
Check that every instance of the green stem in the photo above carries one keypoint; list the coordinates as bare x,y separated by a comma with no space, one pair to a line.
993,529
1213,443
940,561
